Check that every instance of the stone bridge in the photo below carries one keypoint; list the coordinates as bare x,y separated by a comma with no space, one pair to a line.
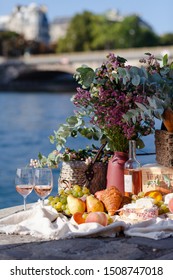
55,72
69,62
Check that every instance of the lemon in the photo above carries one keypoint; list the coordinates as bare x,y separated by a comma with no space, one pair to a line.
155,195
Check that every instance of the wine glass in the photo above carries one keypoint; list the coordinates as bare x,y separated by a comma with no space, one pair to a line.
43,182
24,181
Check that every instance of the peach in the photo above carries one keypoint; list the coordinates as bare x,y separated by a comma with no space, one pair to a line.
97,217
170,205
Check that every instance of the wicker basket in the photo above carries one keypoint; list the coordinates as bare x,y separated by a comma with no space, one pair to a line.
164,147
76,172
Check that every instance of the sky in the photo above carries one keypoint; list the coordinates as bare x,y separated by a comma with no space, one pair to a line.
157,13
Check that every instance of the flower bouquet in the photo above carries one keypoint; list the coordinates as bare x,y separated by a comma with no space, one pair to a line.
110,102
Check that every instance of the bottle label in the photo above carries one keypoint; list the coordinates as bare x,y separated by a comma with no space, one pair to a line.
128,183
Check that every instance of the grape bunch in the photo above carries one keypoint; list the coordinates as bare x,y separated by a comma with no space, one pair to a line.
59,202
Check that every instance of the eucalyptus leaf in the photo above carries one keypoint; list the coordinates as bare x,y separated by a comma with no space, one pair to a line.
141,106
136,80
73,120
144,72
86,76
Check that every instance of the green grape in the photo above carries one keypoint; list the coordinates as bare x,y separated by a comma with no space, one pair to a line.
77,188
74,193
61,191
134,197
63,199
63,207
80,194
58,206
67,212
50,198
158,203
164,208
57,199
85,190
52,203
140,194
68,191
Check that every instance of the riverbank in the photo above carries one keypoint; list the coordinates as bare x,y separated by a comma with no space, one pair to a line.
17,247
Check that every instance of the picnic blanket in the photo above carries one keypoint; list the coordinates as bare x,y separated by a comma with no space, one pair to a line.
46,223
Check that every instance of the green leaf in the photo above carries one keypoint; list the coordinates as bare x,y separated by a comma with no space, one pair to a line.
136,80
86,76
72,121
165,59
52,139
141,106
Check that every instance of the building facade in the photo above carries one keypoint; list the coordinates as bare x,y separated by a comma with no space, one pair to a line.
30,21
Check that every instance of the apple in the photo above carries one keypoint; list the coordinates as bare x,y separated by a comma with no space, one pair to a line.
97,217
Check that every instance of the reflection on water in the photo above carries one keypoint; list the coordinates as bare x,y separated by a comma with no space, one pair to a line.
26,121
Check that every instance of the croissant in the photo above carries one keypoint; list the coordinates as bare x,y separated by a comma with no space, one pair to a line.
111,198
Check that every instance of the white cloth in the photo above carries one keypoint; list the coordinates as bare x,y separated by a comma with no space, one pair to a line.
46,223
156,228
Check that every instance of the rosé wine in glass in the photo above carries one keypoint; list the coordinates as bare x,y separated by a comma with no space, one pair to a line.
43,182
24,181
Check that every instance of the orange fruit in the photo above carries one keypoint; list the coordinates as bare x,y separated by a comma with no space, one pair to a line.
79,218
155,195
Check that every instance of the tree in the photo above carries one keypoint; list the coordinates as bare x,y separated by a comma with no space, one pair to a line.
11,43
166,39
133,32
79,34
89,32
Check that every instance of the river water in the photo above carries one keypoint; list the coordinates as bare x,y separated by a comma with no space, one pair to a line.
26,122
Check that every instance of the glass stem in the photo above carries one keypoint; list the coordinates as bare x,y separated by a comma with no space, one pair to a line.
43,202
24,204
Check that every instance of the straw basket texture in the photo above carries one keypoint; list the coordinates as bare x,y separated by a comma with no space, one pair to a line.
78,172
164,147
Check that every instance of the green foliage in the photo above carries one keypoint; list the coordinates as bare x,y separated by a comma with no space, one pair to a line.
88,31
166,39
11,43
161,80
85,76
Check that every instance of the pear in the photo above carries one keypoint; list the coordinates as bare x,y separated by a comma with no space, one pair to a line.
75,204
93,204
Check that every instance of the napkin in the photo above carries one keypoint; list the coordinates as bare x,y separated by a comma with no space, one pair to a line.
46,223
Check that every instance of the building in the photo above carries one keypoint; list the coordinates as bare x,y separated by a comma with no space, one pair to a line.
30,21
58,28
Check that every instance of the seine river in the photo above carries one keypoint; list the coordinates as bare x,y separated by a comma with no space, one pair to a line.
26,121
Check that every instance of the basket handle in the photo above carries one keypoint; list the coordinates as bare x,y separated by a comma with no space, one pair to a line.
89,173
